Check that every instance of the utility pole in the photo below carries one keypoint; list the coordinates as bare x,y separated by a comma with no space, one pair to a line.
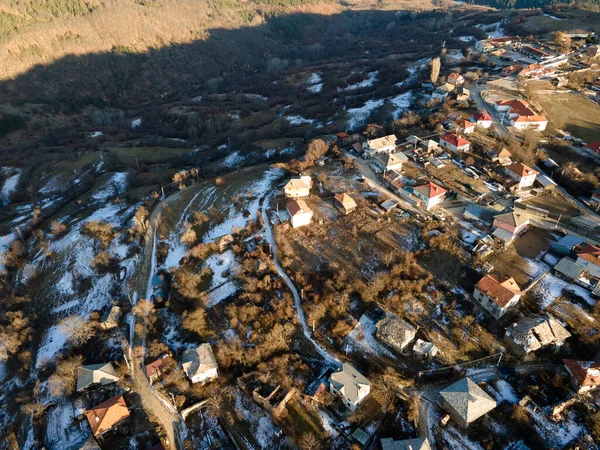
557,221
499,359
163,191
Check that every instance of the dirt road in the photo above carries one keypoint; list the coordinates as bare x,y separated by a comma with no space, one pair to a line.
153,404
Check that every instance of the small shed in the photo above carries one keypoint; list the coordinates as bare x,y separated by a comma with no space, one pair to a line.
112,319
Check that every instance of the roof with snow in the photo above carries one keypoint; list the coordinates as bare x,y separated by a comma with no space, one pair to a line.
196,361
103,374
395,331
586,373
349,382
500,290
430,190
467,400
107,414
407,444
455,140
533,333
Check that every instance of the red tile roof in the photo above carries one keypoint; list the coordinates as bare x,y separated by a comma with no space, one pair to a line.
586,373
590,253
465,124
297,207
455,140
499,289
107,414
594,146
517,107
534,118
342,135
455,76
482,117
430,190
521,169
157,366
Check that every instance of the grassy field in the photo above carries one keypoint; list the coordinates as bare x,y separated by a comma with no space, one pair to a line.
152,155
574,113
577,20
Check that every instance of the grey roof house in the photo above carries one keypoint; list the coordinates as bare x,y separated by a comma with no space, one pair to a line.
566,244
96,374
466,402
534,333
349,385
406,444
395,332
200,364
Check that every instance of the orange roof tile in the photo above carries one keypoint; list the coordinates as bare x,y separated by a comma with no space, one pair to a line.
455,140
430,189
499,289
590,253
521,169
107,414
587,373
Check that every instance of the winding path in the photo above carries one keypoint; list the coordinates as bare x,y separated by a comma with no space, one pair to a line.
332,360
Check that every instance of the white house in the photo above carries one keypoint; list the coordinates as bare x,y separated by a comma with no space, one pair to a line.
456,79
349,385
521,116
454,143
300,213
386,144
525,176
589,257
483,120
430,194
298,187
466,126
533,122
497,294
390,161
199,364
443,91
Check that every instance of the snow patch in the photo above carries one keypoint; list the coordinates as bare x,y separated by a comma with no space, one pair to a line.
372,77
135,123
117,184
358,116
9,187
401,103
233,160
362,337
299,120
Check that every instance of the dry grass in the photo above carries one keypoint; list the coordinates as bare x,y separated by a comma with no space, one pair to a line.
572,112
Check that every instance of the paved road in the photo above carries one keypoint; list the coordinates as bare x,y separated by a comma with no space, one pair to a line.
297,300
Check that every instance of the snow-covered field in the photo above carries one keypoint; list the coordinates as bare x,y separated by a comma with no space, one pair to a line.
556,435
402,103
298,120
222,286
369,81
233,160
358,116
9,187
551,287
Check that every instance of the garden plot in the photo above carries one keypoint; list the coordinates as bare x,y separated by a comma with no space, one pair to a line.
261,427
550,288
362,339
222,285
556,434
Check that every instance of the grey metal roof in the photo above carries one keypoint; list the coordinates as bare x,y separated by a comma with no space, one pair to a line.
568,241
103,373
468,400
349,382
406,444
569,268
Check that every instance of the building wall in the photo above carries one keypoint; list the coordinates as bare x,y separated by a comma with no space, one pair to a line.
295,193
527,181
455,416
505,226
205,376
592,269
301,219
484,123
490,306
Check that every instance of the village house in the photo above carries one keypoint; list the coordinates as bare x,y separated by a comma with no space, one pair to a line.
523,175
112,320
443,91
497,294
386,144
462,94
350,386
511,225
96,375
156,368
407,444
585,375
565,245
300,213
466,402
568,270
511,70
483,120
491,44
589,257
502,157
199,364
298,187
454,143
395,332
594,148
466,126
390,161
456,79
534,333
424,348
344,139
521,116
535,71
107,415
345,203
430,194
